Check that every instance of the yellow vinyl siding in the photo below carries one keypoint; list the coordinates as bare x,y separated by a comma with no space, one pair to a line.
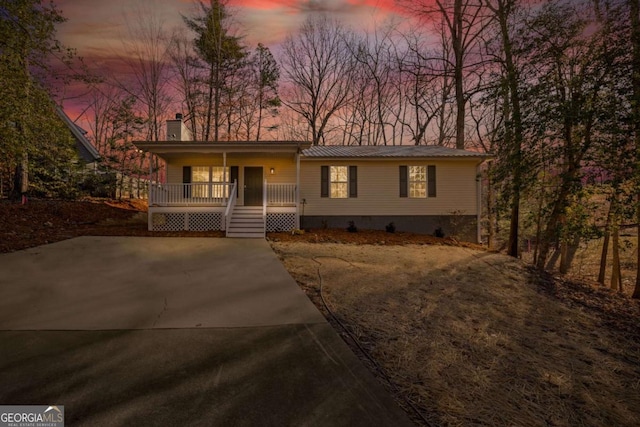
379,189
378,183
285,167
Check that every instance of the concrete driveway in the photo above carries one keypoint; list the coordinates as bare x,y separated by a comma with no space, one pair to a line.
175,331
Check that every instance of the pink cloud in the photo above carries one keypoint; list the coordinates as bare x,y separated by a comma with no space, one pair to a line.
96,28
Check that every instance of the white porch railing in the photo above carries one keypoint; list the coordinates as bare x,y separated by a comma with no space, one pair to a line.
215,194
281,194
195,194
232,204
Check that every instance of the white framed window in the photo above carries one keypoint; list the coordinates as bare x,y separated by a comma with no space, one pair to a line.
207,181
339,182
417,181
200,174
200,177
218,173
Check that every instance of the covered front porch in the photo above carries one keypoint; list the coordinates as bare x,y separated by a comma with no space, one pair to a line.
244,188
205,207
217,194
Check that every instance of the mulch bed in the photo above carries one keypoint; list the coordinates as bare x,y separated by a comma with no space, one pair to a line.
47,221
367,237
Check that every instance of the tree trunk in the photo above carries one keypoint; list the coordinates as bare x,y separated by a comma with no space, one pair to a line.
21,180
260,107
555,217
564,258
536,251
458,72
491,229
216,108
636,291
605,245
513,122
567,254
616,279
21,185
634,11
210,103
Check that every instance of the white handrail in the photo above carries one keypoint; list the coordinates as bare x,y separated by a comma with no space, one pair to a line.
231,203
264,207
194,194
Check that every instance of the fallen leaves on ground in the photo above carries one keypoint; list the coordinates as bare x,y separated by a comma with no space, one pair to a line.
39,222
367,237
468,343
477,338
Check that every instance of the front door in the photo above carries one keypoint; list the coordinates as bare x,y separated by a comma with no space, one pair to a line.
253,186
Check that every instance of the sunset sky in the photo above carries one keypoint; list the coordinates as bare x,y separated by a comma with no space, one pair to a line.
96,28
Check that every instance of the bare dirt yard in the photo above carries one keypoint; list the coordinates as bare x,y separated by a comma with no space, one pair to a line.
39,222
459,335
466,337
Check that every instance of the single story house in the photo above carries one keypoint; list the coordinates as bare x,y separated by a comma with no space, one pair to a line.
250,188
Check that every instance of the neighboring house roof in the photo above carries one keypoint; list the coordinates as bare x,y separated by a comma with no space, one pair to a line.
86,150
385,151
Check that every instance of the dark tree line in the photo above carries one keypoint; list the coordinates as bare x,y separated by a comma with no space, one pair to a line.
36,149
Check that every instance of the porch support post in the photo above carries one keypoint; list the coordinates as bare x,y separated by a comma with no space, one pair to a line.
150,181
224,177
298,189
150,195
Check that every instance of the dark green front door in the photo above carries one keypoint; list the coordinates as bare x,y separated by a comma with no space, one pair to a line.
253,186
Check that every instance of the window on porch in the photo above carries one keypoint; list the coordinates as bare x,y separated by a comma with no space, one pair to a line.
207,181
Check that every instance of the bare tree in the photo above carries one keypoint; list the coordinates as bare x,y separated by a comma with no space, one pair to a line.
375,60
145,52
425,88
464,22
318,67
101,101
186,82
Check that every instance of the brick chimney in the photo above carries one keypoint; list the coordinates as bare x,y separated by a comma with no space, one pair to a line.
177,130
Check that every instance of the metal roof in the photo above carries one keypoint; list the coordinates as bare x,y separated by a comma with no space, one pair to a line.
387,151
